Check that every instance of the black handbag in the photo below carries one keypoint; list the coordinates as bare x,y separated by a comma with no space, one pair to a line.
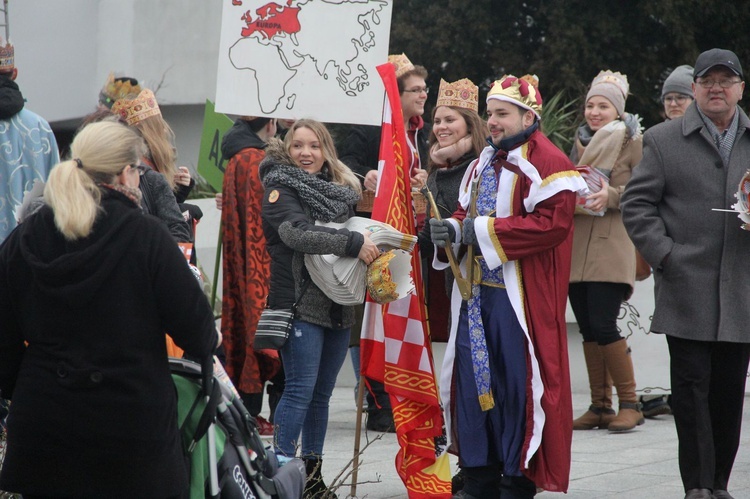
273,328
274,325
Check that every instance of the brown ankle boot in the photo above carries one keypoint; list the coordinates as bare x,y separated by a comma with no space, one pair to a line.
620,365
595,417
600,412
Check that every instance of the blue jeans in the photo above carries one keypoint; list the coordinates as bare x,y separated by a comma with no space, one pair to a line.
312,358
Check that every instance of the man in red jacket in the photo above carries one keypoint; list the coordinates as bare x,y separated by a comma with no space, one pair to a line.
507,361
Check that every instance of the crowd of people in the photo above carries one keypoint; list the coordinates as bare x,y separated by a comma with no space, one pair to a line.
530,233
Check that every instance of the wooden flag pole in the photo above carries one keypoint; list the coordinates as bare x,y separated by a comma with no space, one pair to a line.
357,434
217,262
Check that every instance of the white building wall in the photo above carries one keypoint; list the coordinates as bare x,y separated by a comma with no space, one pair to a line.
65,50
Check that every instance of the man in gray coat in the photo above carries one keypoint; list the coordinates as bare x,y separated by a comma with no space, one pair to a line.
691,165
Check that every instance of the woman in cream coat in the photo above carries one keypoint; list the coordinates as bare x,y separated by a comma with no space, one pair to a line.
603,265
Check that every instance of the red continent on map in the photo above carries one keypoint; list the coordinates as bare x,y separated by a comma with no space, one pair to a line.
272,19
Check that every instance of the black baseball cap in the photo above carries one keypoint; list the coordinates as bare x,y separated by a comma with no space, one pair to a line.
717,57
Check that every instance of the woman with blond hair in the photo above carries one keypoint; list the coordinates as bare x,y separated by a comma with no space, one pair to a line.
161,193
88,284
305,182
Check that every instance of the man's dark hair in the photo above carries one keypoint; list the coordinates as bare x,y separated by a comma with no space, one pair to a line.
258,123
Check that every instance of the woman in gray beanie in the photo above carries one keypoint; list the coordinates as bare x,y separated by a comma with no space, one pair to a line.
677,92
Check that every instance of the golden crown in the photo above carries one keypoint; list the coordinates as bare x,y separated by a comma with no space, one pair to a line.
118,88
7,56
613,78
462,93
523,92
402,63
133,111
379,281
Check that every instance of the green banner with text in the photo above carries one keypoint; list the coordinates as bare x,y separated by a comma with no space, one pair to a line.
210,163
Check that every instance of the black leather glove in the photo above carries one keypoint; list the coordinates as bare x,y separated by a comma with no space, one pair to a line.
468,236
442,232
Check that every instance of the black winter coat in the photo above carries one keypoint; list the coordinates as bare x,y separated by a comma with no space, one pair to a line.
93,409
291,232
360,150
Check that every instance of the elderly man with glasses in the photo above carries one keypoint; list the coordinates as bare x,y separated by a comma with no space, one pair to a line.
689,167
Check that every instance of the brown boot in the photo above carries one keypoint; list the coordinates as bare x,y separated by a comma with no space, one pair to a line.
600,412
620,366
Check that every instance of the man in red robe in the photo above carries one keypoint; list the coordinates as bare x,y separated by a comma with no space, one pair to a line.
505,380
246,264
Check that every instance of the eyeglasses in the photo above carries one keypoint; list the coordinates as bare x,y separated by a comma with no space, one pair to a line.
722,83
677,99
418,90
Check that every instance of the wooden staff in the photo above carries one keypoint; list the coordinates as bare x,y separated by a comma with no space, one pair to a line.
464,285
357,434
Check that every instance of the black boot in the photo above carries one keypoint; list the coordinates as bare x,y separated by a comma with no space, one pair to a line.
315,487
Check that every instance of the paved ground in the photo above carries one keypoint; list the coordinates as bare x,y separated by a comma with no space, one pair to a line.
641,464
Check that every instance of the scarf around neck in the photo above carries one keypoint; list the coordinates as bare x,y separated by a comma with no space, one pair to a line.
325,200
445,157
601,149
132,193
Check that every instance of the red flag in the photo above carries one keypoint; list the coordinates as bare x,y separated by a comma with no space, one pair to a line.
394,346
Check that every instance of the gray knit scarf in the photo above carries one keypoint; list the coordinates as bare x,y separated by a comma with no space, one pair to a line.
325,200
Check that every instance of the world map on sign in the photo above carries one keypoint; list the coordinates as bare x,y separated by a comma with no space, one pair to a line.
303,58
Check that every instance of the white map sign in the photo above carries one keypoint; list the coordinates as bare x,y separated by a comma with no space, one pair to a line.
303,59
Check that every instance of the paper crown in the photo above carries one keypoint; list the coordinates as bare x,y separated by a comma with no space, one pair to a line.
7,56
617,79
462,93
743,201
402,63
133,111
522,92
389,276
122,87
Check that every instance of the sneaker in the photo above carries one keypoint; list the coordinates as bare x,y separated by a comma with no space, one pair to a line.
265,429
655,407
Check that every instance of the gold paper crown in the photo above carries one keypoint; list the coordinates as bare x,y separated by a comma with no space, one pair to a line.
379,282
462,93
523,92
114,89
7,56
402,63
133,111
617,79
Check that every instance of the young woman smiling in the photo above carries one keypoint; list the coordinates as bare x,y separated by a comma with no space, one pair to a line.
458,136
305,182
603,265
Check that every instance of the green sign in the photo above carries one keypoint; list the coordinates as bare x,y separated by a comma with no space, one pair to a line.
210,163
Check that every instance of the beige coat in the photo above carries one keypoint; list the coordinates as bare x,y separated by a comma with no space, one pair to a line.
602,250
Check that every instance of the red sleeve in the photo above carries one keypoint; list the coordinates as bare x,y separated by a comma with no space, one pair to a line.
546,227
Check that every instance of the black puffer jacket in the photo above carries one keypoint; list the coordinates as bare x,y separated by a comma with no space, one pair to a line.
290,231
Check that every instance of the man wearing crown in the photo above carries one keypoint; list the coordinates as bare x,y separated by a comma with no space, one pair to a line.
505,382
29,148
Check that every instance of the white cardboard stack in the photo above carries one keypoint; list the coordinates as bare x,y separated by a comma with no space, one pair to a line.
343,279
